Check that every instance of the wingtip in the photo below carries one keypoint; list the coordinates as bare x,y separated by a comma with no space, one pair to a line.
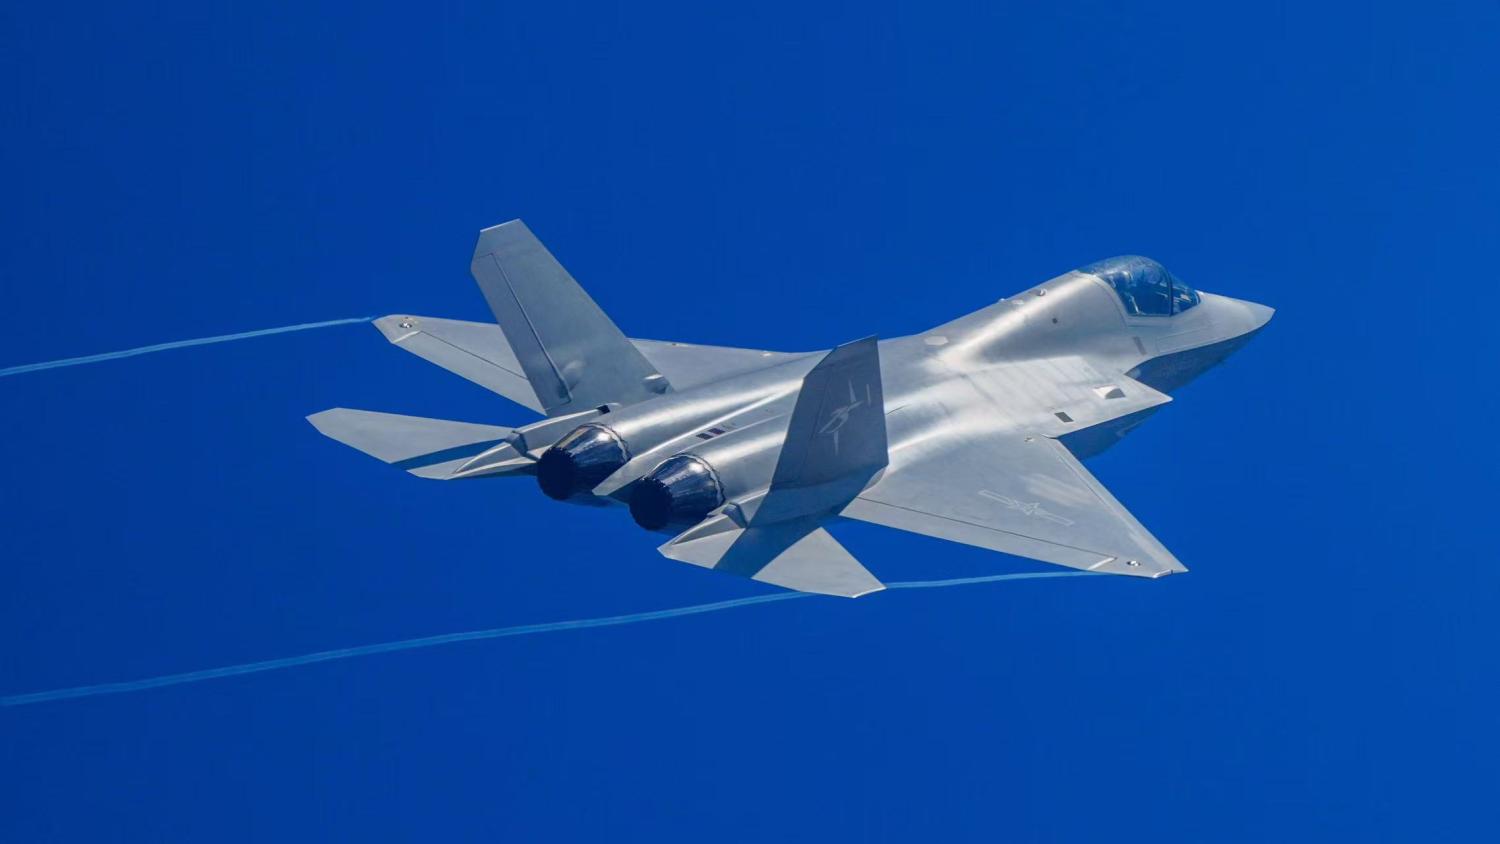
318,419
1145,568
516,223
501,238
398,327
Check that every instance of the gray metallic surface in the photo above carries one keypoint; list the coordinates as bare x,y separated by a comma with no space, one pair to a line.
479,352
572,353
428,448
971,432
796,555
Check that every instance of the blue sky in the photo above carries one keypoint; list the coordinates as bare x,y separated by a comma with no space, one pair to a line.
807,176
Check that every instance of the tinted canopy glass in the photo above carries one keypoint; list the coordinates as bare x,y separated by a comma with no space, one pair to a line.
1144,286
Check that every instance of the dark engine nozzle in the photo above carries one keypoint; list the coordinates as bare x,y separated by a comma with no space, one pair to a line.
579,461
682,489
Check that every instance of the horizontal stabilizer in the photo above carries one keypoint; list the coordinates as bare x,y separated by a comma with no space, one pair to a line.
427,448
793,555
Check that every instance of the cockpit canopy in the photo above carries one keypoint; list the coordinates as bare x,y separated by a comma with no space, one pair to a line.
1144,286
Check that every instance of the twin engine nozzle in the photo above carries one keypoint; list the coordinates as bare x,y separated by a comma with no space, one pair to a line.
683,489
579,461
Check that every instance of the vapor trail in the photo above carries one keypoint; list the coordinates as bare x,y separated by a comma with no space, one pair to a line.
475,635
176,344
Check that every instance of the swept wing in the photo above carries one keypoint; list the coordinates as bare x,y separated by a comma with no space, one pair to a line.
479,352
1019,494
427,448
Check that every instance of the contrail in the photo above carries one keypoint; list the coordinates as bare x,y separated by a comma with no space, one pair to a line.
475,635
405,644
176,344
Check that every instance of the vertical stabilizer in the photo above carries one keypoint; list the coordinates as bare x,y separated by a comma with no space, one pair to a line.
573,355
836,439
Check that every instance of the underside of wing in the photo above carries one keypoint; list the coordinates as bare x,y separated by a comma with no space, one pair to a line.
474,350
427,448
479,352
1027,496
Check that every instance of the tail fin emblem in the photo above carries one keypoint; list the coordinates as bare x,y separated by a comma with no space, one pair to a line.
839,416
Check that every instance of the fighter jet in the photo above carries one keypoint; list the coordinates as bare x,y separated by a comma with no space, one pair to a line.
740,458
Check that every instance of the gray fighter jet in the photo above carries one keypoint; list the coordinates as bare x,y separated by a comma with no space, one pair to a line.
970,432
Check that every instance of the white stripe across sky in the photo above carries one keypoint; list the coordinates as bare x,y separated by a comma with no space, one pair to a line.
476,635
405,644
176,344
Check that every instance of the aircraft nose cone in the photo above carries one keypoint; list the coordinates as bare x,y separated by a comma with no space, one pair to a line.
1258,314
1237,317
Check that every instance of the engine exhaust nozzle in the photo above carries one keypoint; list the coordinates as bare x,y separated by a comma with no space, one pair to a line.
579,461
683,489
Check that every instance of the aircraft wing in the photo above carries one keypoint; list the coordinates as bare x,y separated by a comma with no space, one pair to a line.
479,352
427,448
1022,495
475,350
